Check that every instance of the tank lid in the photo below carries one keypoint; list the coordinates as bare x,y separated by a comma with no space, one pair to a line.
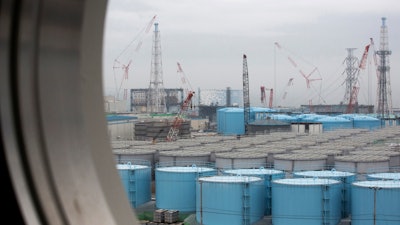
130,167
184,169
324,173
378,183
230,179
300,156
257,171
391,176
306,181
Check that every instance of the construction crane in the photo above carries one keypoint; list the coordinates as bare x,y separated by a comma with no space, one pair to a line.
353,74
263,96
289,83
353,99
246,96
120,61
185,82
306,76
179,118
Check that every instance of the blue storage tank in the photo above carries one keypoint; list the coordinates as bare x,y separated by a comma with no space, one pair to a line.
221,119
229,200
383,176
230,121
346,178
363,121
176,186
333,123
234,122
375,202
307,118
306,201
283,117
267,174
260,113
136,179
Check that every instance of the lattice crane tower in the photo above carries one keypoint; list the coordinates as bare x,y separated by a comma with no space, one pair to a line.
156,102
246,95
384,98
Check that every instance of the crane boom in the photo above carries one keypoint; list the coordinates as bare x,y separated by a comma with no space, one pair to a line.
353,99
176,124
246,97
363,61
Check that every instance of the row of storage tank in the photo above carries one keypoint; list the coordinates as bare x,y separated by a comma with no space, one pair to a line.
230,120
245,196
277,168
356,150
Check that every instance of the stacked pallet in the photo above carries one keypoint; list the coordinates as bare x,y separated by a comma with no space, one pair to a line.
167,217
171,216
158,215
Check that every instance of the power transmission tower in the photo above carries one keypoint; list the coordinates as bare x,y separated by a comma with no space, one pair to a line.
351,73
384,105
156,102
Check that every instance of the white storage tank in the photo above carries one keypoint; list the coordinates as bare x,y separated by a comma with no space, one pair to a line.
299,162
130,154
240,160
181,157
384,176
267,174
306,201
346,178
362,164
375,202
136,179
176,185
229,200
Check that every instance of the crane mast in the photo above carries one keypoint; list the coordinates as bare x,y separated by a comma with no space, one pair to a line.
263,95
246,96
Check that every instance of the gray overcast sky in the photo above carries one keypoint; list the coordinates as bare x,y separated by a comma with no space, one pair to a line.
209,37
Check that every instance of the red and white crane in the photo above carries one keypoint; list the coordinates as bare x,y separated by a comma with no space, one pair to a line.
187,103
309,77
356,87
179,118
